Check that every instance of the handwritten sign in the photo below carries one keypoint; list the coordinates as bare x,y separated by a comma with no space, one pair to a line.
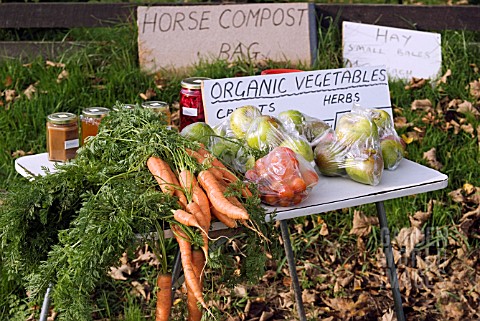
405,53
323,94
177,37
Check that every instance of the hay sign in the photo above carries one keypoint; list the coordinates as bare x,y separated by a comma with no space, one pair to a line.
181,36
405,53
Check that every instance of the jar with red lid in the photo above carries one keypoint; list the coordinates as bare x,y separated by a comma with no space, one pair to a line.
191,104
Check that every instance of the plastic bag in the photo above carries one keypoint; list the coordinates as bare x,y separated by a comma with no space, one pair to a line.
283,177
392,145
353,150
309,127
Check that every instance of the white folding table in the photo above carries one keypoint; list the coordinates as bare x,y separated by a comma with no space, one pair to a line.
331,193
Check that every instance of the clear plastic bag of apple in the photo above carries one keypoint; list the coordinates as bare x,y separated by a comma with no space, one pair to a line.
283,177
302,124
352,150
392,145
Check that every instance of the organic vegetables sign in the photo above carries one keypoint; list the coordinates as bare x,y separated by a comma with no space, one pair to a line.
405,53
323,94
180,36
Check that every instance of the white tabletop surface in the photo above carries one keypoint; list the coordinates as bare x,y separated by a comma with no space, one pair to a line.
331,193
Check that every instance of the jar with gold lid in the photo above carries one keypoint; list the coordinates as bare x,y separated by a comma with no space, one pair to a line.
159,107
191,104
62,136
90,120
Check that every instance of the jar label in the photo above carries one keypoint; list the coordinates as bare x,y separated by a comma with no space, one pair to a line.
73,143
187,111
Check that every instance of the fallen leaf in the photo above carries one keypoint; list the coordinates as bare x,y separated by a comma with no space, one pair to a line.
8,81
466,107
468,129
18,153
401,122
10,95
119,273
54,64
141,289
62,76
407,139
419,218
408,238
308,296
443,79
416,83
148,94
30,91
475,88
362,224
388,316
422,104
431,158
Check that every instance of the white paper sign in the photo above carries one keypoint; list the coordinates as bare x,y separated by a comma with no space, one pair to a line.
323,94
180,36
405,53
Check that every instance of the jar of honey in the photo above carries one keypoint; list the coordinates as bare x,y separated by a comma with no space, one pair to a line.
90,120
159,107
62,136
191,104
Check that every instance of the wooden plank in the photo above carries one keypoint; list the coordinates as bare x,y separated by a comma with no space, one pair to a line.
424,18
70,15
64,15
31,49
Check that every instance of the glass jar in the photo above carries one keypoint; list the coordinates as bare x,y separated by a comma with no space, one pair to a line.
159,107
90,120
191,104
62,136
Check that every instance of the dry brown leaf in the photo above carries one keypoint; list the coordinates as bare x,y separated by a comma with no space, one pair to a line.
419,218
141,289
408,238
422,104
119,273
443,79
148,94
431,158
416,83
10,95
475,68
401,122
466,107
468,129
8,81
18,153
54,64
62,76
308,296
362,224
30,91
475,89
388,316
324,228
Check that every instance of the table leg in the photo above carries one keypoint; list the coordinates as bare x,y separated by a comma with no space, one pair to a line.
46,304
293,270
391,268
176,269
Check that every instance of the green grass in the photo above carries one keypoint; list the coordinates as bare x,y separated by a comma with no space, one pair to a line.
102,75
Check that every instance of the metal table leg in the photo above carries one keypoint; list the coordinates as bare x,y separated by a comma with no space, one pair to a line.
46,304
293,270
391,268
176,269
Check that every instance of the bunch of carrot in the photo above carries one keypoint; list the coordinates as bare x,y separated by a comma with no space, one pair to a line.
200,197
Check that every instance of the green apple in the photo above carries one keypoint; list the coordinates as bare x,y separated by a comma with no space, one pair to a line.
300,146
354,127
382,119
292,119
241,119
200,132
392,151
366,170
264,132
328,158
315,129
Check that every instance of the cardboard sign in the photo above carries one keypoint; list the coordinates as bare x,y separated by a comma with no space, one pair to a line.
405,53
323,94
180,36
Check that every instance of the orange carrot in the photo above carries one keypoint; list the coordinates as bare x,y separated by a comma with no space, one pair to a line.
226,173
218,200
198,260
164,297
185,249
224,218
204,222
186,218
190,185
177,190
201,160
161,171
